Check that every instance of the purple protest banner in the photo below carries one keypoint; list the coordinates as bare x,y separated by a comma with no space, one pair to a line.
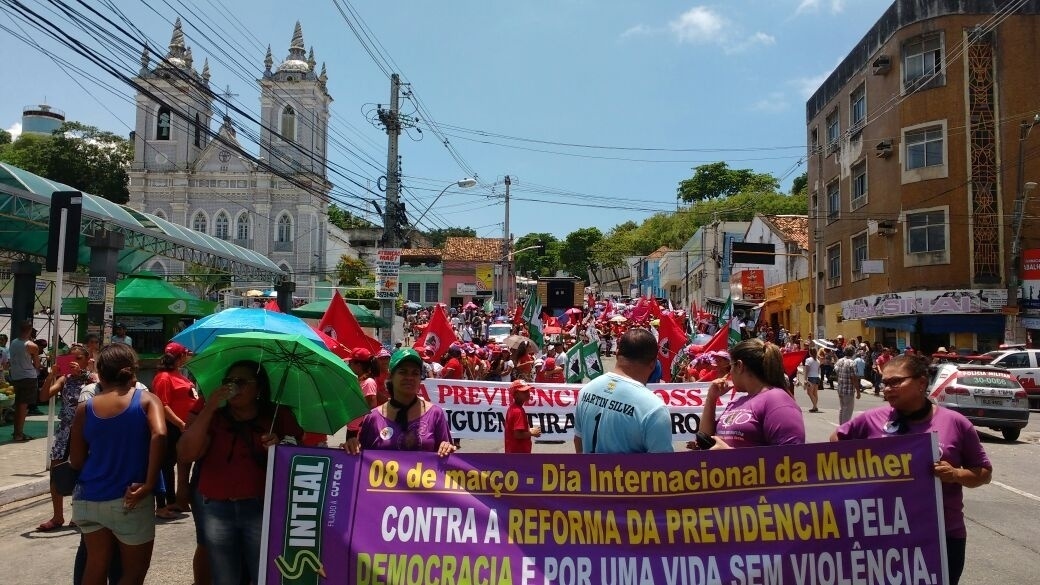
831,513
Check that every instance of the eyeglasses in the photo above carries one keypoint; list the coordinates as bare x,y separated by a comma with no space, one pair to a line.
237,381
896,380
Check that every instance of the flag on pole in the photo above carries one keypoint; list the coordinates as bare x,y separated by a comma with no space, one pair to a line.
489,306
339,323
670,341
438,335
591,361
575,368
533,319
730,322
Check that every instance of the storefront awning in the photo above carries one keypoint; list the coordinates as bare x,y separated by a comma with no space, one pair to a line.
904,323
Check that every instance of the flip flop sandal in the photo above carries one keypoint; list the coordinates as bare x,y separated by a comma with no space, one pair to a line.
21,438
49,526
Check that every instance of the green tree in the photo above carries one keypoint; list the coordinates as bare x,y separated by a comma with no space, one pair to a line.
346,220
350,271
717,180
202,281
544,264
577,250
5,137
438,236
800,184
81,156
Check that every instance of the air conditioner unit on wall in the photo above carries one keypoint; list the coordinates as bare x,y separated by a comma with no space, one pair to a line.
882,65
883,149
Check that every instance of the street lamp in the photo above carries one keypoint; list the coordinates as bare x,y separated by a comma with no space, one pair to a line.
1017,219
464,183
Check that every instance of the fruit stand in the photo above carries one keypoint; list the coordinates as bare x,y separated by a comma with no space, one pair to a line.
6,401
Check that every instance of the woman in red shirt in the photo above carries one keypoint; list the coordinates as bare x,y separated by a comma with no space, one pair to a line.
178,396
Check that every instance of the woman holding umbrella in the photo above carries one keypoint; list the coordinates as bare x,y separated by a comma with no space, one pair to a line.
229,438
407,422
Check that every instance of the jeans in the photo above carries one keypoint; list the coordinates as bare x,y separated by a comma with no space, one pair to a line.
847,403
231,532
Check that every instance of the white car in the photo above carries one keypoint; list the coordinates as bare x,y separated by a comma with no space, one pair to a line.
1023,363
987,396
498,332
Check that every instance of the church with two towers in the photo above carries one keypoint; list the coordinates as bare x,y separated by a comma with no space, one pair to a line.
180,173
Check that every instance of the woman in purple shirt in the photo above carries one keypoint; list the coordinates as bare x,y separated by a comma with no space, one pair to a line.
962,462
407,422
765,414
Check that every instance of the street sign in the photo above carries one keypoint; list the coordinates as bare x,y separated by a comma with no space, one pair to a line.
72,203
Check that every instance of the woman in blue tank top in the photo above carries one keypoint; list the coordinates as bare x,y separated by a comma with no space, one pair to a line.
118,442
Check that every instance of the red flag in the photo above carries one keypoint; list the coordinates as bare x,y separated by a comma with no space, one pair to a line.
719,341
344,327
670,341
793,359
438,335
272,305
334,346
518,315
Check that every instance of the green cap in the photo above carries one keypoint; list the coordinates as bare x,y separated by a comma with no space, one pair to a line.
402,355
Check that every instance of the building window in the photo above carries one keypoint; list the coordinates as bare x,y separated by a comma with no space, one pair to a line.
160,214
924,148
284,229
833,129
859,185
242,227
198,132
221,226
433,292
414,288
199,223
162,124
926,232
857,109
859,252
833,201
289,123
158,269
834,265
814,140
922,62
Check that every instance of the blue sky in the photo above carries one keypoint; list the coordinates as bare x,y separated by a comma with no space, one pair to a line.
524,89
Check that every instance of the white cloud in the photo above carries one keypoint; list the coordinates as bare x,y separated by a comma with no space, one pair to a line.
774,102
700,24
808,85
638,30
759,38
836,6
15,130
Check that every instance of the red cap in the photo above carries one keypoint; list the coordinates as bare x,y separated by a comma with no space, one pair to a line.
519,386
361,354
550,363
176,350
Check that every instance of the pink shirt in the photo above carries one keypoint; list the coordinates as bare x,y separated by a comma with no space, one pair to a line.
770,417
368,388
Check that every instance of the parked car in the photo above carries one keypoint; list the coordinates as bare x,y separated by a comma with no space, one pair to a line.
498,332
988,396
1023,363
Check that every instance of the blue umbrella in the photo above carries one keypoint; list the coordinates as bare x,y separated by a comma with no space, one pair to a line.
239,320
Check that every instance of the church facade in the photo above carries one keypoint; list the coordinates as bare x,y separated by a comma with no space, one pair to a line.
184,175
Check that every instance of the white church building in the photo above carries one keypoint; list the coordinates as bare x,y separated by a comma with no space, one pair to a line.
179,173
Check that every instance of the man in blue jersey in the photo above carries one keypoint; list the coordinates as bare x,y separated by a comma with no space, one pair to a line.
616,412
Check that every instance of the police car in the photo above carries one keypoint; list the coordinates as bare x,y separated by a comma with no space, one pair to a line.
988,396
1023,363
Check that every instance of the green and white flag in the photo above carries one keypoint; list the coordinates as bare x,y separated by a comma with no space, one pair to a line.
590,360
533,319
731,321
489,306
575,368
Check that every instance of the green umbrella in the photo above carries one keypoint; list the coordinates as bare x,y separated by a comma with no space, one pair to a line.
321,390
365,316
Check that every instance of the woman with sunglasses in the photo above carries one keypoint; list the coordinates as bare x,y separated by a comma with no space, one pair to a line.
762,412
962,463
229,437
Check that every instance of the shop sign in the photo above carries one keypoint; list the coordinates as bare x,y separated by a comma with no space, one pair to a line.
925,302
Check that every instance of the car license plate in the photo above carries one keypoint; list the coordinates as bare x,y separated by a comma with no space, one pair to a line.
992,401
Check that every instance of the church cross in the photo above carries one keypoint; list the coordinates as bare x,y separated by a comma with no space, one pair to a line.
227,95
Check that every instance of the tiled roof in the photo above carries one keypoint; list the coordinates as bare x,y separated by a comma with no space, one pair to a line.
473,249
659,253
421,252
792,227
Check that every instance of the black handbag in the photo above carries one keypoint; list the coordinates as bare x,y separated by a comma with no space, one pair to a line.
64,478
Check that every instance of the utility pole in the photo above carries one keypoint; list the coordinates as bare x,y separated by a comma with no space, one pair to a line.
1012,329
392,212
507,253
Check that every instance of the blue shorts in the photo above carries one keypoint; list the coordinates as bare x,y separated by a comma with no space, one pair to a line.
813,380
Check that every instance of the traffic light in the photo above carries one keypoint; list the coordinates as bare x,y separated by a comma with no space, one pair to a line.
541,247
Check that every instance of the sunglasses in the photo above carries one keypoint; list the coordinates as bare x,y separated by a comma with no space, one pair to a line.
237,381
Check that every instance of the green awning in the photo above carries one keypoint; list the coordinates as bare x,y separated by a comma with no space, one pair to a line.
365,316
147,295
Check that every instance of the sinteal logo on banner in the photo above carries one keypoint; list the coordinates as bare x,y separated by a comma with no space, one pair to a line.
300,561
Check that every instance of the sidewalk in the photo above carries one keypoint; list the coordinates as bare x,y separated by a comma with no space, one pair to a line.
23,466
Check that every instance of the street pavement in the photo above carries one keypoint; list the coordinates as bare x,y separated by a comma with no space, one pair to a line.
1003,534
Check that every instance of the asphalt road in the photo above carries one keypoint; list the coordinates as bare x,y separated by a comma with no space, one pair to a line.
1003,532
